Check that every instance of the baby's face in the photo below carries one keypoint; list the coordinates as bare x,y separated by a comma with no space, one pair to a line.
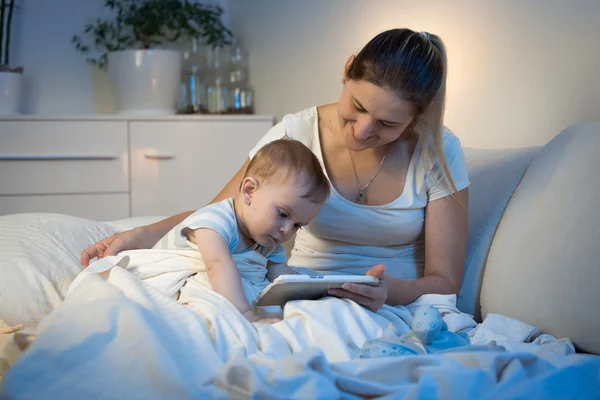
277,211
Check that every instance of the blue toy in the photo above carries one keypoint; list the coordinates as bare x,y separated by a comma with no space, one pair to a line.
429,330
427,324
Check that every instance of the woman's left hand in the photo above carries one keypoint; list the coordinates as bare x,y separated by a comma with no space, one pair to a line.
370,297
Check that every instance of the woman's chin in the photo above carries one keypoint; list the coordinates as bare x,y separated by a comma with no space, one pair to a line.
355,145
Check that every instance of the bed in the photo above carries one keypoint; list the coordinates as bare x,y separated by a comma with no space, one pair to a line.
113,332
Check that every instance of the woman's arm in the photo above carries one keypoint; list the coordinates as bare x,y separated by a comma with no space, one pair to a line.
161,228
445,248
147,236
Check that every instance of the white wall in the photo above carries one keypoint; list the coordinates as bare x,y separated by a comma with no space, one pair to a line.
520,70
58,80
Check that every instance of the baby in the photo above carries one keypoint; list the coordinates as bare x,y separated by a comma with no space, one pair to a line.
283,189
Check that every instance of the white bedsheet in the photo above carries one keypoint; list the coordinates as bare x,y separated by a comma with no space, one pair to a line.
121,337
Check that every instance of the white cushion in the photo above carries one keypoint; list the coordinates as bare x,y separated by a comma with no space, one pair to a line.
39,257
130,223
494,176
543,267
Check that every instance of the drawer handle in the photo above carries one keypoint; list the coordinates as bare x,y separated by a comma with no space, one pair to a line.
56,157
159,156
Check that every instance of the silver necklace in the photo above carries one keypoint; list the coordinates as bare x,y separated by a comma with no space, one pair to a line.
361,197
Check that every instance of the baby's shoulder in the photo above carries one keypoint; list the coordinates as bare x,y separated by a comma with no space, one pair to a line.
221,210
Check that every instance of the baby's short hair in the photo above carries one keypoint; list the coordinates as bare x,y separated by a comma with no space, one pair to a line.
287,156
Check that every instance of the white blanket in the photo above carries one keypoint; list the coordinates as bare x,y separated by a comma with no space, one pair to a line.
118,336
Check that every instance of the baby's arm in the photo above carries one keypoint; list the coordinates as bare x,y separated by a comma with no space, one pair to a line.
276,269
222,272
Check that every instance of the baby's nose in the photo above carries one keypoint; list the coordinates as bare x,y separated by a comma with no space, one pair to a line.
285,229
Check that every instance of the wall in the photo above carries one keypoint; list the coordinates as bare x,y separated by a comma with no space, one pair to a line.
520,70
58,80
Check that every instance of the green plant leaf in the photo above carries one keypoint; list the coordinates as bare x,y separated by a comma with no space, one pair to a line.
151,23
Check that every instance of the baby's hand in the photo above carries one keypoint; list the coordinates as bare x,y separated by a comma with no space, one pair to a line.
253,317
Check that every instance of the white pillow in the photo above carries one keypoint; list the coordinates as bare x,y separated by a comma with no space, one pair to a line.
133,222
39,257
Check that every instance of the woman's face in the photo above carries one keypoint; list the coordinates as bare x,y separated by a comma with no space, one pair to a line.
370,116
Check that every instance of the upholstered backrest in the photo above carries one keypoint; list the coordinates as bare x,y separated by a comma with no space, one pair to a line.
543,267
494,175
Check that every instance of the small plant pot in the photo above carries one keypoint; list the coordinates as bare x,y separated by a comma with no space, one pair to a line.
145,82
11,89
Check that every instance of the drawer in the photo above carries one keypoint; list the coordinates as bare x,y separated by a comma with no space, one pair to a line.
63,157
183,165
99,207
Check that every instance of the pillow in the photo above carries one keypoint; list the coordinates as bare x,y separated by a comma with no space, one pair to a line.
39,258
130,223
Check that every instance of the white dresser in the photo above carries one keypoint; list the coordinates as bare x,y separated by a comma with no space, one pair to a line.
111,167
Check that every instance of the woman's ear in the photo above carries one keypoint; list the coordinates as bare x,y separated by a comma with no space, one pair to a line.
347,66
249,187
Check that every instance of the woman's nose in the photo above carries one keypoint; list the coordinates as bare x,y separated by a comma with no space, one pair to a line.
362,128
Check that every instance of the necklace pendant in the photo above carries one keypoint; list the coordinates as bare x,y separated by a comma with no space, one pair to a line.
361,198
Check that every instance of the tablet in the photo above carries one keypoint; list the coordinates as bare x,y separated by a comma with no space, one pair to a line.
303,287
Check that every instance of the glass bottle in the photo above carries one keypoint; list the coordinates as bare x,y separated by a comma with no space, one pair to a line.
193,91
241,94
217,82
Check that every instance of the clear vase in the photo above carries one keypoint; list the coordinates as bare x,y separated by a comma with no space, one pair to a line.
241,99
217,80
194,68
241,93
217,95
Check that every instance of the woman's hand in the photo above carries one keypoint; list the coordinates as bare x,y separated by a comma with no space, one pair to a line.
370,297
110,246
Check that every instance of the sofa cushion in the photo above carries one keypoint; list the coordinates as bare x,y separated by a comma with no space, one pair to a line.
494,176
543,267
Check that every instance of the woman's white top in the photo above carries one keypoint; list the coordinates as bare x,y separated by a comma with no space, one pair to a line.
350,238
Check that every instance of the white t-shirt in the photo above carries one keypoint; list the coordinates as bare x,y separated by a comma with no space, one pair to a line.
346,237
219,217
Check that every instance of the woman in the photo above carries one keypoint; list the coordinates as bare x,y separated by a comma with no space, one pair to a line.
398,208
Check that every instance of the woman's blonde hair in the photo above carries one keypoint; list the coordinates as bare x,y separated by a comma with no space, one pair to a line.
414,66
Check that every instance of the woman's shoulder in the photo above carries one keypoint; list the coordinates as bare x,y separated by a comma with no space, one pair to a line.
455,161
308,114
298,126
449,136
450,143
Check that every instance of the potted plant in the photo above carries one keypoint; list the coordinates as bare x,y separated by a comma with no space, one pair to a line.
10,76
138,48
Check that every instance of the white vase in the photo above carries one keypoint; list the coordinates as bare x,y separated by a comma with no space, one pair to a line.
145,82
11,88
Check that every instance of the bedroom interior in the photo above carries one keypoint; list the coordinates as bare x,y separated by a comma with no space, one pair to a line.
87,152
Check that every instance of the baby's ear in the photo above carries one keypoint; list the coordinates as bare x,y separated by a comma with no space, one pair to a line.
249,187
